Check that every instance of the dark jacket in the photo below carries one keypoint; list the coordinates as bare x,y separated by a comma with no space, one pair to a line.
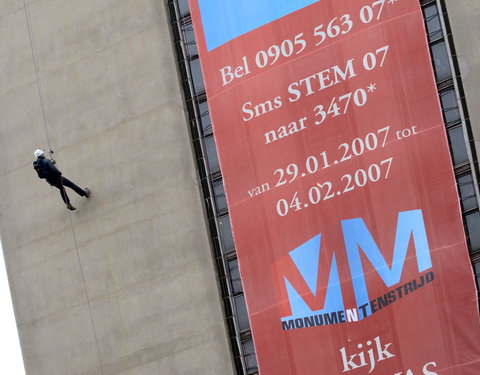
48,169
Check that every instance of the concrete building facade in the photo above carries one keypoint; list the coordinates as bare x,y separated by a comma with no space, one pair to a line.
132,282
125,284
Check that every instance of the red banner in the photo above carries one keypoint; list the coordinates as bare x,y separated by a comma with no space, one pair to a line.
340,187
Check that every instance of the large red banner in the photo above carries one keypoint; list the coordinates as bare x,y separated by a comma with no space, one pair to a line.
340,188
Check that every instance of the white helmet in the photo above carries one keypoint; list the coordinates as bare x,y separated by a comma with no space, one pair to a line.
39,152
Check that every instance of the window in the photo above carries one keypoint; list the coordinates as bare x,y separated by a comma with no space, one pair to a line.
250,356
183,7
212,157
197,77
220,198
226,234
458,146
235,281
189,35
434,28
441,61
476,269
241,310
473,223
451,112
205,118
467,192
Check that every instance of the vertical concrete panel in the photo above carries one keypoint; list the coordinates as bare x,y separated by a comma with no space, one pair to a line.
125,284
464,16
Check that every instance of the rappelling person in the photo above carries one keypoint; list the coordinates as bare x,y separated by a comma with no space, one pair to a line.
46,170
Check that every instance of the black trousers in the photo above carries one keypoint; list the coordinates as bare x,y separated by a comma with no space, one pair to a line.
60,185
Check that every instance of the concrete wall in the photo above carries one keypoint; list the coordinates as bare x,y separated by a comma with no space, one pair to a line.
125,285
464,16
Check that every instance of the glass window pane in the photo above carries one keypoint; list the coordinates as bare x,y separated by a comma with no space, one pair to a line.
467,192
450,106
220,198
183,7
477,273
235,276
250,357
434,28
212,157
441,62
190,43
241,313
226,233
459,148
205,118
197,77
473,226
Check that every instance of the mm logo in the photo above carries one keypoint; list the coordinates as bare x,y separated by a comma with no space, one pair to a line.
315,298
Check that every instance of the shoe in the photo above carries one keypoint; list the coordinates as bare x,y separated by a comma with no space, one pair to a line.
88,192
70,207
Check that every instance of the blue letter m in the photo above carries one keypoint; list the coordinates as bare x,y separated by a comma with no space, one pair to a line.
357,236
309,290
